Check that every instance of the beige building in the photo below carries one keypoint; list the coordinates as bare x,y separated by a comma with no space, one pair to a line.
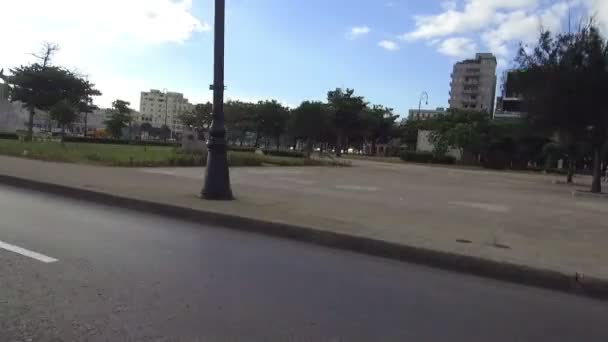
160,108
473,83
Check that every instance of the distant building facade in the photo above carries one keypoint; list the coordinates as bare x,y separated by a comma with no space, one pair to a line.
473,83
159,108
426,114
510,105
424,144
14,116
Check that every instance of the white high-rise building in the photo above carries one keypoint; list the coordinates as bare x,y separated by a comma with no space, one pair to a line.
473,83
160,108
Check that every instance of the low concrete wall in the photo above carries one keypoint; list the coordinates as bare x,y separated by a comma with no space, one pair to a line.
424,144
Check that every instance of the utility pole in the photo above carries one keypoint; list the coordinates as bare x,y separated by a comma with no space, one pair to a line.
217,177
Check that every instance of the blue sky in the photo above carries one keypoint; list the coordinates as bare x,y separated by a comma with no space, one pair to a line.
388,51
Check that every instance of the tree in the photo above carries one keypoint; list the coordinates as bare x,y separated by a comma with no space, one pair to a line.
346,108
564,81
240,118
85,102
145,127
379,125
165,132
120,117
46,53
465,130
42,86
64,113
199,118
409,133
309,121
273,119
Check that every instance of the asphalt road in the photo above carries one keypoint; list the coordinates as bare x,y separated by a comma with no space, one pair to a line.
126,276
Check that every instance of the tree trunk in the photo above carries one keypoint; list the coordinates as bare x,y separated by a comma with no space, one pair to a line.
85,123
30,125
571,169
278,142
596,185
373,152
257,139
339,143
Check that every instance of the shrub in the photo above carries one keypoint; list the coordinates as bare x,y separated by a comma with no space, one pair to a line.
419,157
245,159
427,157
9,136
292,154
249,149
119,141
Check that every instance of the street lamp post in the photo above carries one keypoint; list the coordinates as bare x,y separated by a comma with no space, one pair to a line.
424,96
217,177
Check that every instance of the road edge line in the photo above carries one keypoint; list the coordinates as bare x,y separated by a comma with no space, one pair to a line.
505,271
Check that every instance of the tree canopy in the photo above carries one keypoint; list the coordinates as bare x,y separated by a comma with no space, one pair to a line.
564,80
42,86
119,117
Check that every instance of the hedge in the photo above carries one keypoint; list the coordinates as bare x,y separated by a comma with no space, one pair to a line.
292,154
242,149
426,157
9,136
119,141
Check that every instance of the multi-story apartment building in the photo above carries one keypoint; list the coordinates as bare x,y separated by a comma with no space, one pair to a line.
473,83
511,104
163,108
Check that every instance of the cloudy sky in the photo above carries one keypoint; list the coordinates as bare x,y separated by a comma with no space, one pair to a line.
290,50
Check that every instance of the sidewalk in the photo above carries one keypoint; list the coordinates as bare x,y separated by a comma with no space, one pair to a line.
510,219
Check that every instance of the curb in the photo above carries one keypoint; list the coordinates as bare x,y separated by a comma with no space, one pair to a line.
588,194
521,274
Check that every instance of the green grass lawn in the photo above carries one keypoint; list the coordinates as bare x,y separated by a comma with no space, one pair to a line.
132,155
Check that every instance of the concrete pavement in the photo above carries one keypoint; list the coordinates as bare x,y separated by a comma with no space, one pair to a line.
516,218
126,276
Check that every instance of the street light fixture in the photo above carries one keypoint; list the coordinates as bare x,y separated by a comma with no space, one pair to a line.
424,96
217,177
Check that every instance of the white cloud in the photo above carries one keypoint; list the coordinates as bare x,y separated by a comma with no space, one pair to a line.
95,35
358,31
599,10
475,15
458,47
520,26
497,25
388,45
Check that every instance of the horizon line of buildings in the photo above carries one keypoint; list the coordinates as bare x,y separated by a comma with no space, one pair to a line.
156,108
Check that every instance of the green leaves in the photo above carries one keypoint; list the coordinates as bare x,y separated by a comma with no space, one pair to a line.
200,117
64,113
120,117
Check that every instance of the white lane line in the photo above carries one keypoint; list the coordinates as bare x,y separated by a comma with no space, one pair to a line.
357,188
27,253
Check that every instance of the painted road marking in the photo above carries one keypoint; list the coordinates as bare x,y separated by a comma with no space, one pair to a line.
357,188
298,181
27,253
496,208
